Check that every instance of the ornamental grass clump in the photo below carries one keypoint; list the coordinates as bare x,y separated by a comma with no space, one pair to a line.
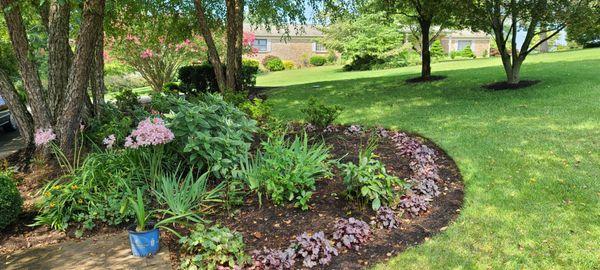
314,249
351,233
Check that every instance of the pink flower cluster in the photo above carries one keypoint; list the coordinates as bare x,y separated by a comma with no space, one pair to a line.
248,39
133,38
149,132
147,54
109,141
43,136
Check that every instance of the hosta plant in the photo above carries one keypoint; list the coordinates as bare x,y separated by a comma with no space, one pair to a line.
351,233
286,171
213,248
369,181
314,249
272,259
387,218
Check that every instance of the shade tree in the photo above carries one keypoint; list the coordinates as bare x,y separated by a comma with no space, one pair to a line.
504,18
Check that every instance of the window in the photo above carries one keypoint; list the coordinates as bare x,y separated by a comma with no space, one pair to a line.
261,44
462,44
318,47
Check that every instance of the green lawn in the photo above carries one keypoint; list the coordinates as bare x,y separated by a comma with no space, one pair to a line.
530,158
142,91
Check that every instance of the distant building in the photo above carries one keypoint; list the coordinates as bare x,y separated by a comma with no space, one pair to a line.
302,43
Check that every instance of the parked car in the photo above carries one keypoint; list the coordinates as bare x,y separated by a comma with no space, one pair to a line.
6,120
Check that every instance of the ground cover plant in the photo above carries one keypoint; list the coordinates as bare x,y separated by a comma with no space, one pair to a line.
527,156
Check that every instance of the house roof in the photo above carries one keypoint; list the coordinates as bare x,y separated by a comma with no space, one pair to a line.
292,30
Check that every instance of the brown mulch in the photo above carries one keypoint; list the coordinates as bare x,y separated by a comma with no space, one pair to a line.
275,226
510,86
424,80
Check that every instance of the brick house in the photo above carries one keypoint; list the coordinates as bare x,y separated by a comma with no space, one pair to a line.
302,43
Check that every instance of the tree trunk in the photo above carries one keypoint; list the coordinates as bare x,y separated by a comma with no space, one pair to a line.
27,69
59,54
235,32
425,53
70,117
213,54
97,78
17,108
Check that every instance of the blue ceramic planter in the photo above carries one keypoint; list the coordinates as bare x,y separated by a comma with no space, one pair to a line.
144,244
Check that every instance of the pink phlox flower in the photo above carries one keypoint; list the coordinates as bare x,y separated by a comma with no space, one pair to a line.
44,136
149,132
109,141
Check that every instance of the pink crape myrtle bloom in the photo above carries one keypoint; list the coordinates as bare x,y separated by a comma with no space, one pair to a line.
44,136
149,132
248,39
109,141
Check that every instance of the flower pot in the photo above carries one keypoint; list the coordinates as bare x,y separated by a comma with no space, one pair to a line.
144,244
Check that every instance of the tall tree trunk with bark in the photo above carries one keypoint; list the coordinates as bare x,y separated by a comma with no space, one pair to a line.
213,54
235,32
97,78
425,52
59,54
70,117
27,68
17,108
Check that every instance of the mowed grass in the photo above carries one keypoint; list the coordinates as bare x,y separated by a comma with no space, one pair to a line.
530,158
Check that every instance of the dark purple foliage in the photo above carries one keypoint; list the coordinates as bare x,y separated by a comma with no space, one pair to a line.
382,132
271,259
351,233
415,204
315,249
426,187
353,130
387,218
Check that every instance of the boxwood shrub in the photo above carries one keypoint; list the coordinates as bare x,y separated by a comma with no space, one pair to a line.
273,63
10,201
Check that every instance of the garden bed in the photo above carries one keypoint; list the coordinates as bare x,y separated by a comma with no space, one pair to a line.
274,227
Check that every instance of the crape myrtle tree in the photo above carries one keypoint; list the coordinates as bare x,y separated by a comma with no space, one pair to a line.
428,17
230,15
61,104
504,18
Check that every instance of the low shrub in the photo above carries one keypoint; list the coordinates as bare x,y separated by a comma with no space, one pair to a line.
213,248
467,52
10,200
212,134
369,181
288,65
287,170
363,62
273,63
250,62
351,233
127,100
257,109
172,87
318,60
320,114
314,250
198,79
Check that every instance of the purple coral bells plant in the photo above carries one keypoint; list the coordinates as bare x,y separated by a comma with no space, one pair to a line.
414,204
272,259
315,249
387,218
353,130
351,233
